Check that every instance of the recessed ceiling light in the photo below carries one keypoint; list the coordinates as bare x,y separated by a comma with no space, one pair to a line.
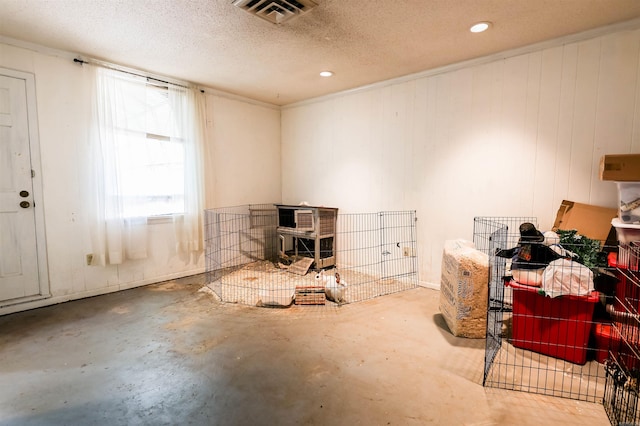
326,73
480,27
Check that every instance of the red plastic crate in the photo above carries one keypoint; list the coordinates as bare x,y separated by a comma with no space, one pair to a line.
558,327
606,339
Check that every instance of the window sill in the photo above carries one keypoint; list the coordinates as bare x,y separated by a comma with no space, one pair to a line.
158,220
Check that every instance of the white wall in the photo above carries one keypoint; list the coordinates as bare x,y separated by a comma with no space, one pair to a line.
245,155
244,138
504,137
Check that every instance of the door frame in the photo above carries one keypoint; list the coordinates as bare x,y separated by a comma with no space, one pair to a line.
36,182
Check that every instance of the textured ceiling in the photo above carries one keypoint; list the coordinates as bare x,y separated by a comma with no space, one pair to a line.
215,44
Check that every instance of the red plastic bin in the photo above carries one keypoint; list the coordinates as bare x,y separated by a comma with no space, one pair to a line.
558,327
606,339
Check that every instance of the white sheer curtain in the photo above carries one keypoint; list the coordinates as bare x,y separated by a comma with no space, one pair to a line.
146,150
188,106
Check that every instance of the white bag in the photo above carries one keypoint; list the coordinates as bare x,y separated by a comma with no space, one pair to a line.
564,276
532,277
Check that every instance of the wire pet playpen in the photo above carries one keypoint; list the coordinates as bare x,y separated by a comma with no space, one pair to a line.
537,340
623,363
276,255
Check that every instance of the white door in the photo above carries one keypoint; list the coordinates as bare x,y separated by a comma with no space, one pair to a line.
20,272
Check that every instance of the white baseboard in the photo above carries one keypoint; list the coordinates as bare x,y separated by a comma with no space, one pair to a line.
427,284
26,305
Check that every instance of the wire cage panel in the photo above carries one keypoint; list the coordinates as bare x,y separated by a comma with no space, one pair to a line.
541,336
622,367
375,254
623,342
489,235
620,398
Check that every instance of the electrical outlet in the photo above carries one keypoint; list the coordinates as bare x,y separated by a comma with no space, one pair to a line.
89,259
408,252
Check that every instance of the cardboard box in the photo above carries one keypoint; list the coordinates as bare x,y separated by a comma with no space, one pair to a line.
591,221
621,168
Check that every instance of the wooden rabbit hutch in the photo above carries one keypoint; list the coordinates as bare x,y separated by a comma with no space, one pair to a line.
307,231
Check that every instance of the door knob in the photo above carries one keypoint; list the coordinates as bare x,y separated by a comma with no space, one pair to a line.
25,204
24,194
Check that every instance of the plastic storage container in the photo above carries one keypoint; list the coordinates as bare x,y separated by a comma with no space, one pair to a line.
606,339
627,232
559,327
629,201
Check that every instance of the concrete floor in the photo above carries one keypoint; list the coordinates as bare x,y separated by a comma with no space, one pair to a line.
170,354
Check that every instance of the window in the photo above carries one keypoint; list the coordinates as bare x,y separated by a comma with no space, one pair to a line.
148,150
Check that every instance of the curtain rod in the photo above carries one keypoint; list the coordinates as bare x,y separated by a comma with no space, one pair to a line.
105,65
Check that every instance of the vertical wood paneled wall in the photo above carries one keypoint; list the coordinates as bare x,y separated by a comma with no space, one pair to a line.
508,137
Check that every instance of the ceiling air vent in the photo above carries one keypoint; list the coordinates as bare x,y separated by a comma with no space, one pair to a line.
275,11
